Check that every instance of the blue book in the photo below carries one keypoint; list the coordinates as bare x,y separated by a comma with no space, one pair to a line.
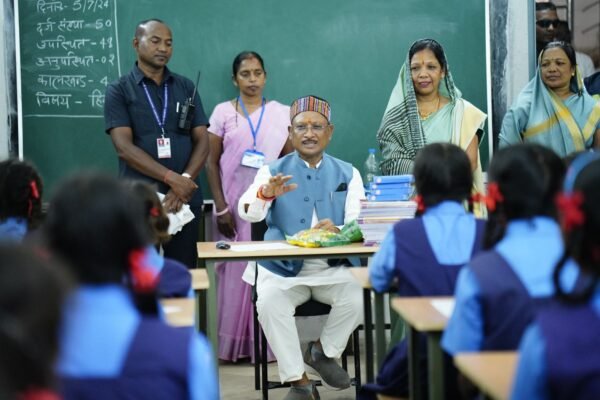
388,197
407,178
393,186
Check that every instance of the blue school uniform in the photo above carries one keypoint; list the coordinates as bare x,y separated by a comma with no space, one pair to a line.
13,229
109,350
426,255
521,267
174,278
559,356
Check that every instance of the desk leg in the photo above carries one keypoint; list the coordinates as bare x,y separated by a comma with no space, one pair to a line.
435,358
211,309
368,335
414,378
380,329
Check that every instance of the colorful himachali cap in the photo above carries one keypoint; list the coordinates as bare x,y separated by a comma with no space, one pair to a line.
310,103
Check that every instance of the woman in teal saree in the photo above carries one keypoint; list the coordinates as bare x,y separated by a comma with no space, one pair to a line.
554,109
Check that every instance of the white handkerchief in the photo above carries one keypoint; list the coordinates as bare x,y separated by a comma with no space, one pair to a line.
179,219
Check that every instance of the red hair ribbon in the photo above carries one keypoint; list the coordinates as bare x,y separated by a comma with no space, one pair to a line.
569,205
154,212
493,197
420,203
35,193
143,278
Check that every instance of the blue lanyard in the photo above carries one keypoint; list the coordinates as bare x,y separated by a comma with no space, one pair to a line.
160,123
262,112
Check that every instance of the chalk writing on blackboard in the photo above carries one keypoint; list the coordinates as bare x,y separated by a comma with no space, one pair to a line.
69,54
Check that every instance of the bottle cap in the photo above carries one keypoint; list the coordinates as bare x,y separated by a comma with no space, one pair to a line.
372,151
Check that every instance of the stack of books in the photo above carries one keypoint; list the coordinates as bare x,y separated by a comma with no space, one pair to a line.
376,218
390,188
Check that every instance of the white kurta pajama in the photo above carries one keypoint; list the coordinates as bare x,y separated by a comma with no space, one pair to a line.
279,296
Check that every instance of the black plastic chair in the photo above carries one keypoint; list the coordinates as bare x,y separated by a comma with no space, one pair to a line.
310,308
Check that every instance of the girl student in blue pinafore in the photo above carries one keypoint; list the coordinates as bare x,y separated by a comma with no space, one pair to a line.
21,192
426,254
174,278
498,292
559,356
113,345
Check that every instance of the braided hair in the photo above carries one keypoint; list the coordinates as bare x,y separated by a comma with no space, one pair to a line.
580,221
528,177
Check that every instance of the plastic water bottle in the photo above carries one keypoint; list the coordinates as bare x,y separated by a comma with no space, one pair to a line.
371,168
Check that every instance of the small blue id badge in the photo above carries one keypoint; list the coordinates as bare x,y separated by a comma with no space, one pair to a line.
253,159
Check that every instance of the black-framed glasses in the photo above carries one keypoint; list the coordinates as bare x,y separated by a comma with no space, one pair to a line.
545,23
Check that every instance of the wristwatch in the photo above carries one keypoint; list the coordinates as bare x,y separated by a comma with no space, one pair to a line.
185,174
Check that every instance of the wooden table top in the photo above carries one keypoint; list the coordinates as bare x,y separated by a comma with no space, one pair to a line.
179,312
199,279
491,371
420,313
208,251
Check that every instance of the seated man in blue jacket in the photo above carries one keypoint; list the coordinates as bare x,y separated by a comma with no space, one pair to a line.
305,189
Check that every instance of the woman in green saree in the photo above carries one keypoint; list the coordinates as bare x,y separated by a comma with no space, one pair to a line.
425,107
554,108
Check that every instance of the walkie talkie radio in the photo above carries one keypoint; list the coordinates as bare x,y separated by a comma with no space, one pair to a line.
186,112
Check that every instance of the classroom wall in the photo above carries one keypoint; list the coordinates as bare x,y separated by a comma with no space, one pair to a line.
511,54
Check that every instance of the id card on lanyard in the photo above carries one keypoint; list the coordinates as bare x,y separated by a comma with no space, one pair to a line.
163,144
253,158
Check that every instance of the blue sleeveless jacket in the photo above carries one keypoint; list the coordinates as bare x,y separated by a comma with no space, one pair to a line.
323,189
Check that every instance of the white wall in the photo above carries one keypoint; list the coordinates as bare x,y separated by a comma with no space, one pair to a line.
518,57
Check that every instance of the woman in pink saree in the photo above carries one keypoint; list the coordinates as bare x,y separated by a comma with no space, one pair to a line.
245,133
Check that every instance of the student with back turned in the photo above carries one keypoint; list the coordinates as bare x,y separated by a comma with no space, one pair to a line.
141,113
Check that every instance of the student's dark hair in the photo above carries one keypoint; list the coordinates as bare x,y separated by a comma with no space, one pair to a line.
95,224
246,55
528,177
141,26
545,6
32,291
442,172
582,241
21,191
432,45
157,220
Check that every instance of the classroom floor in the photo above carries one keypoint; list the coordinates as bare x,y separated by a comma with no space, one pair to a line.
237,383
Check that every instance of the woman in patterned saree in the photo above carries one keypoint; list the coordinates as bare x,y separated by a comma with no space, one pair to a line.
425,107
554,108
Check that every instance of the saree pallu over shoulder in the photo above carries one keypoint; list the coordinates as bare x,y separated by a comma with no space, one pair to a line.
542,117
400,134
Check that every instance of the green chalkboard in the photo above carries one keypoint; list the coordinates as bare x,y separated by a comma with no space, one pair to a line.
347,51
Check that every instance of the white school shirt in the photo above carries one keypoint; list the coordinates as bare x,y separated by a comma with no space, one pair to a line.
313,272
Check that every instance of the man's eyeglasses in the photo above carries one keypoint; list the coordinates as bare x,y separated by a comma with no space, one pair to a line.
545,23
302,129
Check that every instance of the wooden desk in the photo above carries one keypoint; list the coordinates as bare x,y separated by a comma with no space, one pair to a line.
361,274
491,371
211,255
179,312
199,279
421,316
